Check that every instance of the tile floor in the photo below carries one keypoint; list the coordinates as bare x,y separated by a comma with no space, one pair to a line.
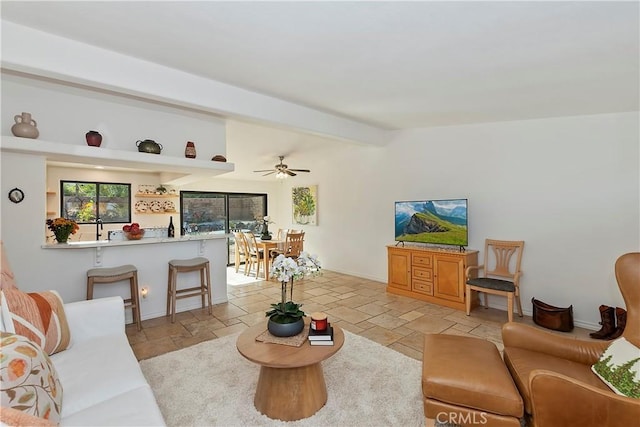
358,305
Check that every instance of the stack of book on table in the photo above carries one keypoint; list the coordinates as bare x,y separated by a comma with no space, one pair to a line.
321,337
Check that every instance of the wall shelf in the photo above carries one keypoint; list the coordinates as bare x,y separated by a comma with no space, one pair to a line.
50,193
157,213
98,156
157,196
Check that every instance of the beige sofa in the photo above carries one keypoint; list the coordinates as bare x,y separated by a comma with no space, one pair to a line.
102,382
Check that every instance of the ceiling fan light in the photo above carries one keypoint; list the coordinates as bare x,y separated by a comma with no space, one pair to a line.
281,175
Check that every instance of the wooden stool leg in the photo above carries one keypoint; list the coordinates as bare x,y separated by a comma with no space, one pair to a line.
174,293
90,288
202,285
169,291
133,300
135,294
208,273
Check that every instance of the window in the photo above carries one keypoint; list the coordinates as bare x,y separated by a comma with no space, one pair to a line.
213,212
85,202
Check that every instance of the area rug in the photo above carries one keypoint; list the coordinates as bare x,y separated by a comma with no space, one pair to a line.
211,384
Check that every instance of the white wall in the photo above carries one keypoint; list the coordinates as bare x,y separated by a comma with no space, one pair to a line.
568,187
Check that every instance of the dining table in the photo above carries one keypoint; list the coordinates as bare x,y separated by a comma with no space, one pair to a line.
266,246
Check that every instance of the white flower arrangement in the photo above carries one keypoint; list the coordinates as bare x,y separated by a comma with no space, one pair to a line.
309,264
285,268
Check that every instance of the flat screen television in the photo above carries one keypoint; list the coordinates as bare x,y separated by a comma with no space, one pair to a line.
438,222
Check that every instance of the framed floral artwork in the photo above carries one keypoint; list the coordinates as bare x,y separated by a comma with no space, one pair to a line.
305,205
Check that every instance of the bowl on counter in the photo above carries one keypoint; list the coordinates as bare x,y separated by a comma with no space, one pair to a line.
134,235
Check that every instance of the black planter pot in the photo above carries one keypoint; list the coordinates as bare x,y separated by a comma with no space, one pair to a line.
285,329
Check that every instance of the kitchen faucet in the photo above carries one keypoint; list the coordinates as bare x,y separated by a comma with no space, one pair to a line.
99,227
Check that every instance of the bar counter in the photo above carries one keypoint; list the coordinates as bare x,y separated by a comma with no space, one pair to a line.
150,256
143,241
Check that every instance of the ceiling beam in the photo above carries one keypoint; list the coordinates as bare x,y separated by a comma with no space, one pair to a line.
26,50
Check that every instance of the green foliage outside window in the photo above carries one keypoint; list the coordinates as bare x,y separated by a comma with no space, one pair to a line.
85,202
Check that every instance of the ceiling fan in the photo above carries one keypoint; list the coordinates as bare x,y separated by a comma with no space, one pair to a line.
281,170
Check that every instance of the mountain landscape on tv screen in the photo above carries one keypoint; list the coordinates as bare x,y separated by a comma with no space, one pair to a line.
435,221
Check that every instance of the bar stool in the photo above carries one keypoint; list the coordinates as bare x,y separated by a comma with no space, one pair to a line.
176,266
118,274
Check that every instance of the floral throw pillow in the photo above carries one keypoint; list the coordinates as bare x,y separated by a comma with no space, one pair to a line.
40,317
29,382
14,417
619,368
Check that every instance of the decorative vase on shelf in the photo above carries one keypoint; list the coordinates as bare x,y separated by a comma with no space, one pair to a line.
190,150
94,139
25,126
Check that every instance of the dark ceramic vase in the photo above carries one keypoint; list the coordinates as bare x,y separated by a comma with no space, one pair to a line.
190,150
285,329
94,139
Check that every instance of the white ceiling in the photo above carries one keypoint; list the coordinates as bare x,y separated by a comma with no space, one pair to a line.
394,65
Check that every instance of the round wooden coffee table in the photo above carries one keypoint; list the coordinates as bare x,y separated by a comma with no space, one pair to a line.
291,384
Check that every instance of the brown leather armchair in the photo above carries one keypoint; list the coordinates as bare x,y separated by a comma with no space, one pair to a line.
553,373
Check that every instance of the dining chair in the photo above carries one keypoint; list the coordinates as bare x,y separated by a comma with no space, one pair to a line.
282,233
240,250
294,244
502,273
255,255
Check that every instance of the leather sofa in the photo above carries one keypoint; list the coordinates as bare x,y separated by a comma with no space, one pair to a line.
553,372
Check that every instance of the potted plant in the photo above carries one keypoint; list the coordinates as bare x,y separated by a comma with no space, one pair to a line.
62,228
286,317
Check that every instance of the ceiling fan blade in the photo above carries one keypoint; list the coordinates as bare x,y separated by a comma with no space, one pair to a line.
264,170
269,173
300,170
288,172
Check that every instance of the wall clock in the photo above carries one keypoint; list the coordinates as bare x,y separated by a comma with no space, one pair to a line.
16,195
